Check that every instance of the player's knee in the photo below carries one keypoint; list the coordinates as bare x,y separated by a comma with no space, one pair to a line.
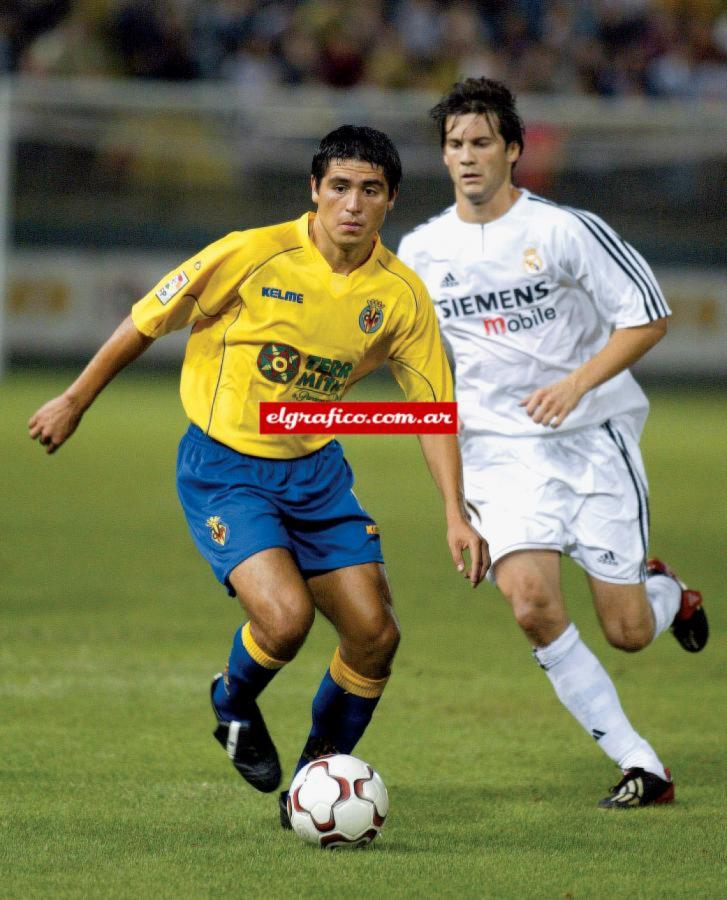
388,638
376,639
531,605
628,636
286,628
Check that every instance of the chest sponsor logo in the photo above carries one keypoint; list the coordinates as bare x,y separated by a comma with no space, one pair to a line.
372,316
495,325
218,530
279,294
518,297
532,261
323,378
278,362
522,305
172,287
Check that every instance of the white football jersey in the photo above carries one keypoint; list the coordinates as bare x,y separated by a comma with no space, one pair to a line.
526,299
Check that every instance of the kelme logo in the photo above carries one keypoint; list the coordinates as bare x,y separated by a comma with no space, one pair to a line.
279,294
278,362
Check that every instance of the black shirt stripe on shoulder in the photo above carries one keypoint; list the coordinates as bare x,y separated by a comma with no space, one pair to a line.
651,305
631,258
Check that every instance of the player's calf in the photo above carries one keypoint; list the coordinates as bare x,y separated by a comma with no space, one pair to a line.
690,626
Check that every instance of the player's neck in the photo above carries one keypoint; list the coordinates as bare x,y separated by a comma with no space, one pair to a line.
342,260
481,211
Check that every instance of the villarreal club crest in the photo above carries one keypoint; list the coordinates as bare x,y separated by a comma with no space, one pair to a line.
278,362
372,316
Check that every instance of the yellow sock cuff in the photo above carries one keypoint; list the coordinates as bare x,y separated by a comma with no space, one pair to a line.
257,653
351,681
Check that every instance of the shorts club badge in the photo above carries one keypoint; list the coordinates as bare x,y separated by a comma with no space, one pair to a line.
218,530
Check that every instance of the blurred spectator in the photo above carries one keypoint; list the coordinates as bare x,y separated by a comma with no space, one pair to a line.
299,57
672,48
9,30
254,68
75,46
154,39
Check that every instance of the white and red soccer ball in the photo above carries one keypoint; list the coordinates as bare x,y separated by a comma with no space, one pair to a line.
337,801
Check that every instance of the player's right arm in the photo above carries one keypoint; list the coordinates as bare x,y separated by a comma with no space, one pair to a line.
57,419
201,288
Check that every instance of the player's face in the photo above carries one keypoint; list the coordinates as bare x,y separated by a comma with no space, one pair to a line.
478,160
352,199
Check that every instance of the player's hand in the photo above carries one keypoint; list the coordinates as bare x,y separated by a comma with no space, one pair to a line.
462,536
550,405
54,422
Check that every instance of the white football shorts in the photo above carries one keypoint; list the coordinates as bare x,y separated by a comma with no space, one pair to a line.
583,493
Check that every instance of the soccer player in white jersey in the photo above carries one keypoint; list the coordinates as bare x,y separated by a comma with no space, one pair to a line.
544,308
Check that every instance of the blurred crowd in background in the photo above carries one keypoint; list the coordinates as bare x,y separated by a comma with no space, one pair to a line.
611,48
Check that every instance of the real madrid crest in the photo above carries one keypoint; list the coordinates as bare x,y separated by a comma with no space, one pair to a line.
372,316
278,362
532,261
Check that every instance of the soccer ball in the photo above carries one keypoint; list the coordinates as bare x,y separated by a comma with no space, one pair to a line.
337,801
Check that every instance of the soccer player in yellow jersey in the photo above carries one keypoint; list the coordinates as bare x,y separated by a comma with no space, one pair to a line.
296,311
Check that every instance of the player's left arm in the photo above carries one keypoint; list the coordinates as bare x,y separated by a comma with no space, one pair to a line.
419,364
550,405
441,453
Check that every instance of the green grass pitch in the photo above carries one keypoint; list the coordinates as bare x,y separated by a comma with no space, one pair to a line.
111,626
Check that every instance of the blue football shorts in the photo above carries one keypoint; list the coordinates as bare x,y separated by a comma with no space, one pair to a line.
237,505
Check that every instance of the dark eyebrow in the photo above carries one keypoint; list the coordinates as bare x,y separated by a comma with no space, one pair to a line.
342,179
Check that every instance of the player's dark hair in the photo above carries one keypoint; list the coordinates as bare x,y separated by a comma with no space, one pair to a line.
486,97
362,143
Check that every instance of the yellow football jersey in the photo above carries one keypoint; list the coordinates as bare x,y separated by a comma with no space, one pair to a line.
271,321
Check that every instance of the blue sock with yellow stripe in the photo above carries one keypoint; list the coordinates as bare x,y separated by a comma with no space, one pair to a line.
342,710
249,670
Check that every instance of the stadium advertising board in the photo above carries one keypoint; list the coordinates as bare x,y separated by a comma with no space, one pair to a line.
64,304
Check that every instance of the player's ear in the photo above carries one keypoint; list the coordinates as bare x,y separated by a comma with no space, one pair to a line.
314,189
392,199
512,154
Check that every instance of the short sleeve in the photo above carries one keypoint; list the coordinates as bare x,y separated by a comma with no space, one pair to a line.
202,287
417,359
615,275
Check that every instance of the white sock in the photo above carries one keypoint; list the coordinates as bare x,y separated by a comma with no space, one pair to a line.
584,688
665,596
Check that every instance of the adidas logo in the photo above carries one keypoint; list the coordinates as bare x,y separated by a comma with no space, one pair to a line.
597,735
607,559
449,280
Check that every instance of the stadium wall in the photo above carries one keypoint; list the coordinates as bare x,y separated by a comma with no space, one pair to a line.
62,305
109,187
